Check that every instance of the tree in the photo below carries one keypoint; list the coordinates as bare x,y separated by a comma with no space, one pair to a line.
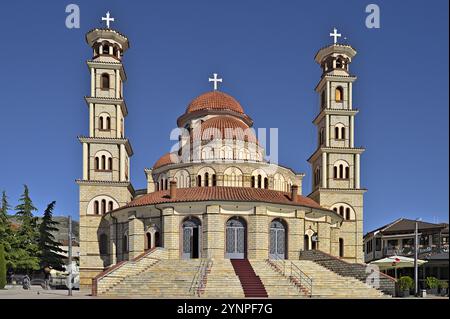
49,249
24,247
6,231
2,267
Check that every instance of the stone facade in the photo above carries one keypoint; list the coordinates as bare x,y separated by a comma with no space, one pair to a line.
118,223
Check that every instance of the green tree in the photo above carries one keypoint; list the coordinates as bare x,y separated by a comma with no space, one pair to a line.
2,267
24,245
49,249
6,231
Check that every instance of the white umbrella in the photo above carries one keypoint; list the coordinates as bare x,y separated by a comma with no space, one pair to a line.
395,262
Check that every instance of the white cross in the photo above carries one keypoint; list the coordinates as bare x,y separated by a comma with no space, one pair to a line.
215,79
335,35
108,19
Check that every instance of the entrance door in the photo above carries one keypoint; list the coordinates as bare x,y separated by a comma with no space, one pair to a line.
235,239
191,239
277,239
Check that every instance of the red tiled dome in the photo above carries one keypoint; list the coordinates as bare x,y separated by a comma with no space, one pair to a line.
214,100
226,125
164,160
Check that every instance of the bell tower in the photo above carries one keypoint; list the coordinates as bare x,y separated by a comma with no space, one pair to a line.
336,161
105,183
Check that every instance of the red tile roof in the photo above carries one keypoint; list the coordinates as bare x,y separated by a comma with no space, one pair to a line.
228,127
164,160
214,100
220,193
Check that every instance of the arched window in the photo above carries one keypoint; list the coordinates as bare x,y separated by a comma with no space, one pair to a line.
110,163
341,171
347,213
206,179
108,123
105,81
199,180
335,172
253,181
341,211
100,123
347,172
103,244
339,94
97,163
96,208
148,242
336,132
214,180
259,181
166,186
110,206
103,162
103,206
266,183
341,247
105,49
343,133
335,209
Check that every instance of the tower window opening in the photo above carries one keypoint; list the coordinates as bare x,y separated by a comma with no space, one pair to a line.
105,81
103,206
199,180
259,181
347,213
110,164
108,123
347,172
253,182
339,94
266,183
97,163
336,132
341,211
166,184
110,206
206,179
103,162
343,133
96,208
341,171
100,123
214,180
335,172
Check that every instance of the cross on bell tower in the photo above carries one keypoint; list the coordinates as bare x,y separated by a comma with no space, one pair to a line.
335,35
108,19
216,80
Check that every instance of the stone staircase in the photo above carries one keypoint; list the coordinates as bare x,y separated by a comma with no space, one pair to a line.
222,281
124,270
348,270
327,284
250,282
167,278
277,285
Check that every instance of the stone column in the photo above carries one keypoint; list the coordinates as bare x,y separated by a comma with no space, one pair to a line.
295,235
327,130
112,242
85,161
352,131
324,170
357,184
117,72
135,236
213,237
118,126
92,82
122,162
350,102
324,235
91,120
258,234
328,94
171,233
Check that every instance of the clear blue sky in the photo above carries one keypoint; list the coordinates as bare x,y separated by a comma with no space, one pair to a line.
264,50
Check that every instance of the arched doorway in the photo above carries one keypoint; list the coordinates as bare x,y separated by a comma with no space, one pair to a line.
148,241
157,239
341,247
306,242
191,238
235,238
277,239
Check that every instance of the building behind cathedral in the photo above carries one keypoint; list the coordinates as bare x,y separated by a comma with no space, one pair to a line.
217,197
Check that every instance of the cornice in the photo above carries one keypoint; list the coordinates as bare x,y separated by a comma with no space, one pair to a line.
108,140
107,100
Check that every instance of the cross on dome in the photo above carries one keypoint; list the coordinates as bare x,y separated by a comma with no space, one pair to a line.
215,79
108,19
335,35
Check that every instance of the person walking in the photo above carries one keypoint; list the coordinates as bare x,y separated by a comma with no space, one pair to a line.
47,270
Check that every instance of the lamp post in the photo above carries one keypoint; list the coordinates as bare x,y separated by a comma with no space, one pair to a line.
70,256
416,268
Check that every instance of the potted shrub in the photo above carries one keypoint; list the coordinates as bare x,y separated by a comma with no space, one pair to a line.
443,286
405,283
432,285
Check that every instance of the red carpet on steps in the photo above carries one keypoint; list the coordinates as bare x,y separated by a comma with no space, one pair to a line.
251,284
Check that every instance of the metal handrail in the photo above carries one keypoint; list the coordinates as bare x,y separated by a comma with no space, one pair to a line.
199,279
295,274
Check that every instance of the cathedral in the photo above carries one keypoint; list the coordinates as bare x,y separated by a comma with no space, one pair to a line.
216,196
